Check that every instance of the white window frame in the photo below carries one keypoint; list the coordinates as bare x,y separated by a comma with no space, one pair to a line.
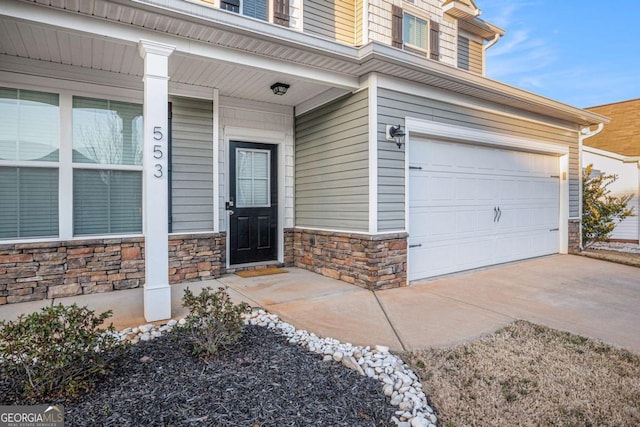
411,45
65,163
409,8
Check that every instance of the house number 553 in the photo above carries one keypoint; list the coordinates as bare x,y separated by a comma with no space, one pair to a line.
157,151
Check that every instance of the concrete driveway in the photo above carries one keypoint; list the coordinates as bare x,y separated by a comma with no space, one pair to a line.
589,297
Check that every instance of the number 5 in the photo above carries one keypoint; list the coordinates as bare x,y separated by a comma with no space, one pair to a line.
157,152
157,133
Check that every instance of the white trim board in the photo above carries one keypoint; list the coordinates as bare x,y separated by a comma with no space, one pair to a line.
611,154
265,137
465,134
398,85
372,99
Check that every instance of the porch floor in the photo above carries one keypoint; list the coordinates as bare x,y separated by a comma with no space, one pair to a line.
589,297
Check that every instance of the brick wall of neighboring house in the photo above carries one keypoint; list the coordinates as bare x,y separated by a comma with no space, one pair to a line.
574,236
371,262
45,270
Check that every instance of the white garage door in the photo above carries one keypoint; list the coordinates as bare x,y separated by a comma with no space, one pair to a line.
471,206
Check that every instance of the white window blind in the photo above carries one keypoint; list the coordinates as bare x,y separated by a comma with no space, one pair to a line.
415,31
28,202
252,178
255,9
29,133
105,200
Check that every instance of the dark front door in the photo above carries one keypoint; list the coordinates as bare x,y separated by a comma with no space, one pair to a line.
253,202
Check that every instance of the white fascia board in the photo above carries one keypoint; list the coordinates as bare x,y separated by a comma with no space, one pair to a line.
393,56
464,134
400,85
611,155
97,28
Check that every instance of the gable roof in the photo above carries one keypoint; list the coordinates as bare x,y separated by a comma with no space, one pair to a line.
622,134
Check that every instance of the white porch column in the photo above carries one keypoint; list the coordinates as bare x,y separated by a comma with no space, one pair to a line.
157,292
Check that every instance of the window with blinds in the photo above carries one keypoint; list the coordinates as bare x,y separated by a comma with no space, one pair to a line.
29,152
107,167
415,32
252,178
255,9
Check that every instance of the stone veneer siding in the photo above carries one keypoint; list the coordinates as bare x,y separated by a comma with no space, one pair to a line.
371,262
289,237
45,270
574,236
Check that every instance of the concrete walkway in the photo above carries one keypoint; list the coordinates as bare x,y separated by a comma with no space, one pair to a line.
589,297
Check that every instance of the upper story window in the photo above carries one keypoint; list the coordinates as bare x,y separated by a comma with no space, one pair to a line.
415,32
412,32
258,9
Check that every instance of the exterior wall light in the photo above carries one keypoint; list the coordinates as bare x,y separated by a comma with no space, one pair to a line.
279,88
396,134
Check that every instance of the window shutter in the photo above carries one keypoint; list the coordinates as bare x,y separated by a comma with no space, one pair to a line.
434,40
396,26
281,12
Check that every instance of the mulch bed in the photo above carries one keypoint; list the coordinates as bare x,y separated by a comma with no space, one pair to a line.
263,381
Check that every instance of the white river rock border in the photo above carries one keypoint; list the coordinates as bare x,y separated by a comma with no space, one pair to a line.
399,383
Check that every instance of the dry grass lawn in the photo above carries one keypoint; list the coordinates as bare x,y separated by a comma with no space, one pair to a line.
530,375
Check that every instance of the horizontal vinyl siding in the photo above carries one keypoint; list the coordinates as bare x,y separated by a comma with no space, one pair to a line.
469,55
334,19
192,165
332,166
393,107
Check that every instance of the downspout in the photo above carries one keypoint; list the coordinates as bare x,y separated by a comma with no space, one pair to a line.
493,41
585,133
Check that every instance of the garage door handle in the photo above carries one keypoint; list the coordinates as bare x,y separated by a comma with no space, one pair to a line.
499,213
416,246
495,213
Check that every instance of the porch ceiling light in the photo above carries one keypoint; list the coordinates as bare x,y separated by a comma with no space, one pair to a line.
396,134
279,88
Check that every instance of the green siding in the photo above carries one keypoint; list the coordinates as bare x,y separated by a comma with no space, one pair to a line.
393,107
332,166
192,165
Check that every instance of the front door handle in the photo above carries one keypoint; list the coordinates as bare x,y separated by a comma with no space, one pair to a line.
230,212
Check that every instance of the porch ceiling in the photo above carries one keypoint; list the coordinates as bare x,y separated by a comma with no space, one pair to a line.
27,40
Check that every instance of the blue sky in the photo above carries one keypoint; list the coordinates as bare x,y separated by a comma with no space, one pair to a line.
583,53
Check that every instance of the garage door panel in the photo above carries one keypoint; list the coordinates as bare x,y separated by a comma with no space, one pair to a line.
454,191
446,257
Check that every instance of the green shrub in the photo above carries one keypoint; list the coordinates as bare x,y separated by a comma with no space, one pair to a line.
600,210
56,352
214,322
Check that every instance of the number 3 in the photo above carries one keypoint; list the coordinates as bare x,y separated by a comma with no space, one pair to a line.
158,173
